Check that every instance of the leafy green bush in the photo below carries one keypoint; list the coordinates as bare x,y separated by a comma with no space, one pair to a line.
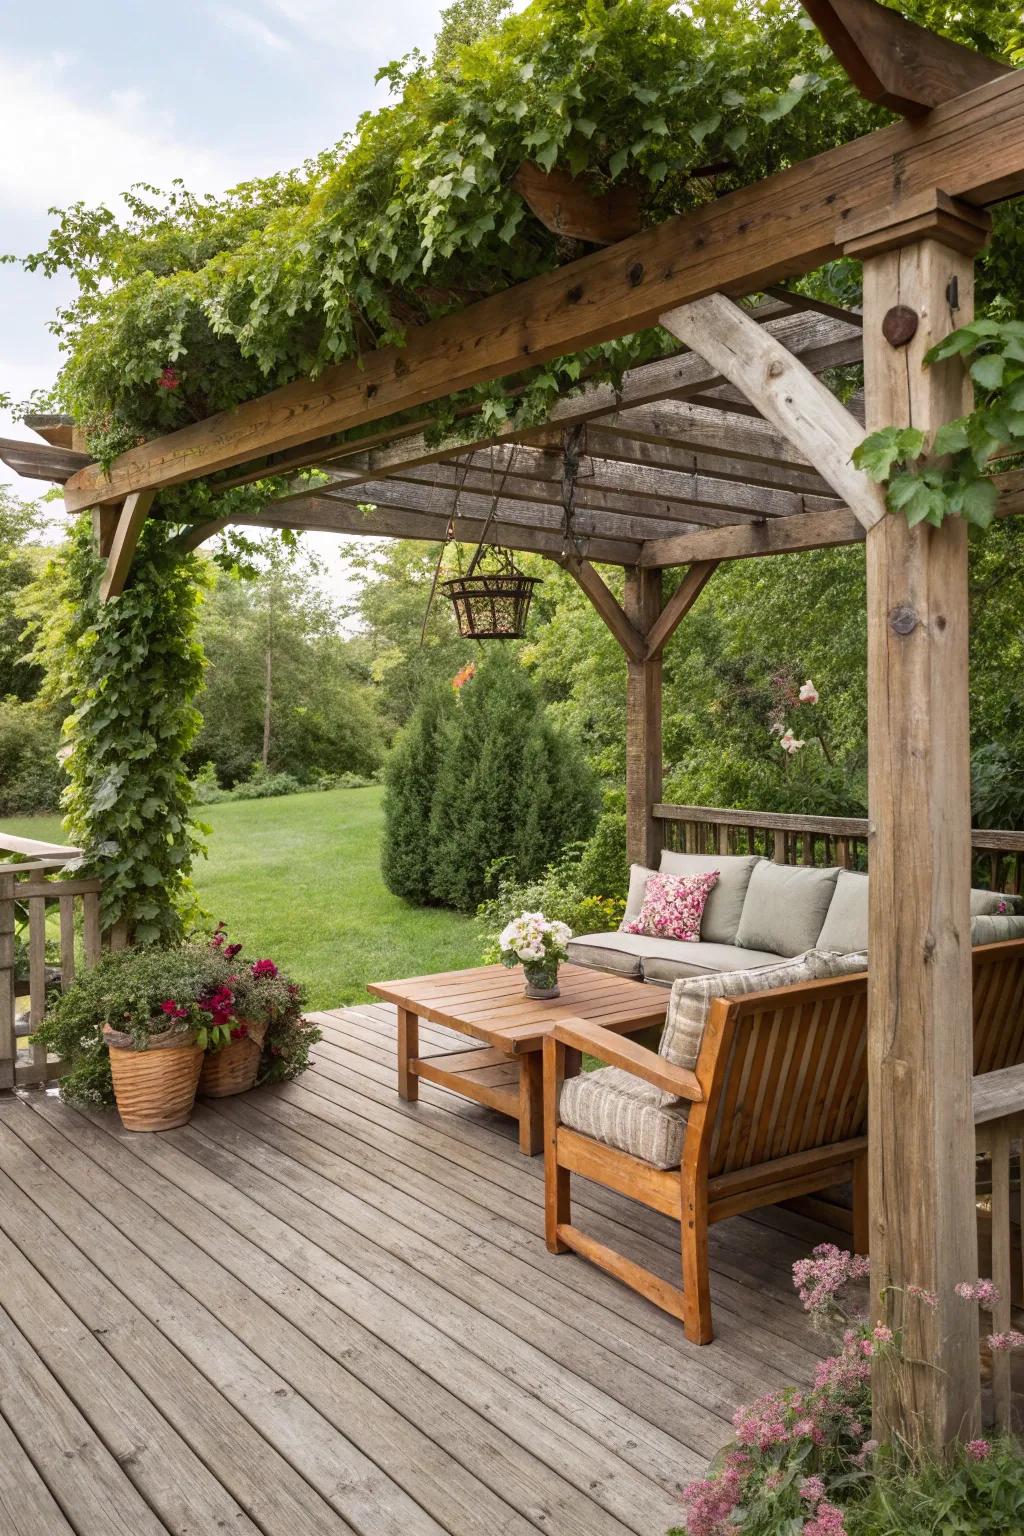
31,777
558,892
604,865
265,786
410,779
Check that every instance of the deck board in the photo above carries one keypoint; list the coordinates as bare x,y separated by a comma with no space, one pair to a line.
318,1309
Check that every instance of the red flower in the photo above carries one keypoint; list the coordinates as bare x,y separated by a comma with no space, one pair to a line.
264,968
168,378
173,1010
219,1005
240,1032
231,950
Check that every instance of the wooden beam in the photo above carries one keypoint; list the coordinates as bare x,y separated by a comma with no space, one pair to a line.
895,62
331,515
122,547
41,461
104,527
782,536
192,538
678,606
920,1032
607,606
789,223
567,206
54,428
785,393
642,603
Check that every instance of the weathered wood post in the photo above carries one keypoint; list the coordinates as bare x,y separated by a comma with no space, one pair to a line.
642,604
918,286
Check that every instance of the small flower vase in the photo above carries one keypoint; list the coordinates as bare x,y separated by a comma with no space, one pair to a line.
541,980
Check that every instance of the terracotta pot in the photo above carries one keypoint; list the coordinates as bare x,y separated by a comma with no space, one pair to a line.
154,1088
233,1068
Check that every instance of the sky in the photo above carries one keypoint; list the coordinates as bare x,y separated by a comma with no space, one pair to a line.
94,98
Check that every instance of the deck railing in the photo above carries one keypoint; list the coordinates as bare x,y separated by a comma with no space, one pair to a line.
820,840
49,925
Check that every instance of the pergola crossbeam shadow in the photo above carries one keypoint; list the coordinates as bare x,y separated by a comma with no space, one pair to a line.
732,449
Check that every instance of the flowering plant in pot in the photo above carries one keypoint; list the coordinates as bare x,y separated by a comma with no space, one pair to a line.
266,1009
134,1028
538,945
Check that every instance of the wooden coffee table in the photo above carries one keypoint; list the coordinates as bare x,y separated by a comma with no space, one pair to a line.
488,1003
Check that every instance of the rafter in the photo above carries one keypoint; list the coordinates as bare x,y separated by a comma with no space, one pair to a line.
785,392
972,146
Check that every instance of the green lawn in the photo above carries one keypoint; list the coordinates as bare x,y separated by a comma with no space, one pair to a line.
298,878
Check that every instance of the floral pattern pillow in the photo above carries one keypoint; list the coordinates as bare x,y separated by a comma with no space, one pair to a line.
673,906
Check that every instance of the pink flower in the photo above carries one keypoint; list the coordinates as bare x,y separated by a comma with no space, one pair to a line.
979,1450
711,1501
882,1334
867,1449
789,743
173,1009
812,1489
231,950
808,693
927,1298
1002,1342
264,968
983,1292
168,378
820,1278
762,1423
828,1521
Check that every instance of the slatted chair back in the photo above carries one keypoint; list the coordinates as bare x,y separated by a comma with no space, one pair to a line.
998,1006
790,1072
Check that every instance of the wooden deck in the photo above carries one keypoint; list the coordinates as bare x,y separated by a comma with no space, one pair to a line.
317,1309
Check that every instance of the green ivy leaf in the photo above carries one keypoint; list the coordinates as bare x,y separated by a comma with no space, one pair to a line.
699,131
988,370
880,451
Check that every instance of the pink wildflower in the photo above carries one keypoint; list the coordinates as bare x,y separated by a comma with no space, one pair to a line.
808,693
828,1521
979,1450
927,1298
710,1503
762,1423
168,378
789,743
812,1489
983,1292
867,1449
820,1278
1006,1341
882,1334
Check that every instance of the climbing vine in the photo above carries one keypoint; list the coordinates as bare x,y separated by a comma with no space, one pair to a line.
926,492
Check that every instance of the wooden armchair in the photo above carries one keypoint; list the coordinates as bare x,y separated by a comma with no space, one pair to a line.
775,1108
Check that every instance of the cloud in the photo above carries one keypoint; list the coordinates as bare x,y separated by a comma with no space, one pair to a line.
252,28
89,148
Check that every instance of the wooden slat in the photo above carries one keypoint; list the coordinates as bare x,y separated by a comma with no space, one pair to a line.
972,146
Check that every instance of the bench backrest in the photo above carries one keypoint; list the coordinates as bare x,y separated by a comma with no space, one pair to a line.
786,1070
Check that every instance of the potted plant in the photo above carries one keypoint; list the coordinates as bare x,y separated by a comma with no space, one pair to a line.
262,998
134,1029
538,945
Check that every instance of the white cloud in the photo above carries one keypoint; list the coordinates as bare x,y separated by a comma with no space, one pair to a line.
253,28
60,148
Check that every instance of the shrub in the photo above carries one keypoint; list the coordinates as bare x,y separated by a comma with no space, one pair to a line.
604,865
509,787
410,777
558,892
265,786
206,789
31,777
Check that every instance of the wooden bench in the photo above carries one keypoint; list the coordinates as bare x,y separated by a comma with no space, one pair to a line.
778,1109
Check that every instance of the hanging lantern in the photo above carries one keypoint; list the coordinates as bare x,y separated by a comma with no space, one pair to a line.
492,606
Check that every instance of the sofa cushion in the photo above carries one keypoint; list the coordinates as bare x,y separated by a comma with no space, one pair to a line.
724,905
623,1111
639,875
692,997
995,929
665,966
620,953
785,907
846,921
992,903
673,906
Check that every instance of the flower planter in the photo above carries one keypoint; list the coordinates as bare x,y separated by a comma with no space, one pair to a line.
541,983
155,1088
233,1068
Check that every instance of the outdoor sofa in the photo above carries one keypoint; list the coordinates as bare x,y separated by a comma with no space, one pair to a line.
761,913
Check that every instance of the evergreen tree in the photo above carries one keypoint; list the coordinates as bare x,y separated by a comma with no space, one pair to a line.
410,777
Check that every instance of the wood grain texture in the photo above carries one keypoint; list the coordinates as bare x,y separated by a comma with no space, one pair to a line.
122,544
921,1172
606,605
644,767
893,61
972,146
678,606
785,393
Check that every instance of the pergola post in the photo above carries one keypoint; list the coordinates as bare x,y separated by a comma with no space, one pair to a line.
923,1222
642,604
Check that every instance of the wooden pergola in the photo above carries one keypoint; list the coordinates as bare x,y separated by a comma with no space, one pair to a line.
730,449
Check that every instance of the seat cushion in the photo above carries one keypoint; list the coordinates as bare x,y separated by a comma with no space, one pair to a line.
692,996
620,953
785,906
992,903
722,912
623,1111
996,929
846,922
665,965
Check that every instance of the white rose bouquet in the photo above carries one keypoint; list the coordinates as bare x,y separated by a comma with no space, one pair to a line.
538,945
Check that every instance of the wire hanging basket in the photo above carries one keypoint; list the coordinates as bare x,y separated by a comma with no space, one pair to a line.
492,606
